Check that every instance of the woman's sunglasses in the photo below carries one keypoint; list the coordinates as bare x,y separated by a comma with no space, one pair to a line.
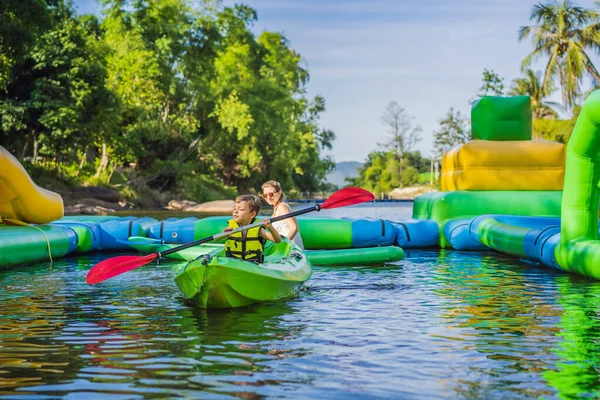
269,195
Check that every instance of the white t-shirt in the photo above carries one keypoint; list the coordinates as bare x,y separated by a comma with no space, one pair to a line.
284,229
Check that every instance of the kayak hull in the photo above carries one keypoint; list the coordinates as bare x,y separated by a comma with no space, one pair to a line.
215,281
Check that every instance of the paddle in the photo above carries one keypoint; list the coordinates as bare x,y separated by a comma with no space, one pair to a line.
118,265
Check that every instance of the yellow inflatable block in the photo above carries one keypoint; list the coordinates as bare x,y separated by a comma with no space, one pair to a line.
22,199
507,165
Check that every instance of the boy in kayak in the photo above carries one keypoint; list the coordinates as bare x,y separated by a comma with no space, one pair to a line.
248,245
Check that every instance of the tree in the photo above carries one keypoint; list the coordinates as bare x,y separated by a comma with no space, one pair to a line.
564,33
558,130
416,160
181,95
453,130
492,84
21,22
57,98
381,172
404,135
531,85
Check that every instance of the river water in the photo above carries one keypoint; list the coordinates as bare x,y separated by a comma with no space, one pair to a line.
439,324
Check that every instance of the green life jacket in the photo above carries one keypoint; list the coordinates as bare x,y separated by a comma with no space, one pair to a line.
247,245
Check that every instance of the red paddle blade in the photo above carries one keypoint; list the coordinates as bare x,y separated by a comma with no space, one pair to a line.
116,266
348,197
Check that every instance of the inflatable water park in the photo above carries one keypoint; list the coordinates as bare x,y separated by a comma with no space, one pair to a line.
535,200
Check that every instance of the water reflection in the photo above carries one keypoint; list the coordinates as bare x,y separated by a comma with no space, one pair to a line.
439,324
500,313
32,315
131,337
576,373
240,345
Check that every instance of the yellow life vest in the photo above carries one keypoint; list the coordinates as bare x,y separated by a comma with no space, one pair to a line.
247,245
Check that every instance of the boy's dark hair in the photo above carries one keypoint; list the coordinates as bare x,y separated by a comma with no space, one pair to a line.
252,200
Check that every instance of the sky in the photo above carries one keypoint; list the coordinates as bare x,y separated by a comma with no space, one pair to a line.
427,55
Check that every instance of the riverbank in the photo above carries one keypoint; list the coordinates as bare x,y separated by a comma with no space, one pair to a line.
104,201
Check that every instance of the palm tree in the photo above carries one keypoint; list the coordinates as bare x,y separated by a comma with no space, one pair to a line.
564,32
531,85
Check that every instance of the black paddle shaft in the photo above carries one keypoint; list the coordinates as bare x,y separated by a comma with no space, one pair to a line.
316,207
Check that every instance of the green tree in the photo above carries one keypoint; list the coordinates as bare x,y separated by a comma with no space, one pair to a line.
564,33
147,70
492,84
530,85
453,130
416,160
271,131
403,135
182,95
21,22
57,96
558,130
382,172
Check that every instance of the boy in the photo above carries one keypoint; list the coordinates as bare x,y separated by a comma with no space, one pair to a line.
249,244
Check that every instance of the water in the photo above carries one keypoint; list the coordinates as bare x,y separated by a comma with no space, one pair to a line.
439,324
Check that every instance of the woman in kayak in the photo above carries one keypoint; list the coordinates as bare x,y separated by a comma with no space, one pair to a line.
249,244
273,194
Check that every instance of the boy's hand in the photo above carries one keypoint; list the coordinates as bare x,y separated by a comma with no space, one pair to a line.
267,223
227,230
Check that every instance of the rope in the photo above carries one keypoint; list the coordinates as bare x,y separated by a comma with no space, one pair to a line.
10,221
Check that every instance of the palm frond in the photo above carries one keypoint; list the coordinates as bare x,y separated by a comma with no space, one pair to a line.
532,57
573,62
524,31
588,65
589,36
570,84
563,32
551,69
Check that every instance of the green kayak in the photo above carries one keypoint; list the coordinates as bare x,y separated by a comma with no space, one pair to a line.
215,281
341,257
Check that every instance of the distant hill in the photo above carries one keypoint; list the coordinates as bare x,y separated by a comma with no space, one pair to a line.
343,170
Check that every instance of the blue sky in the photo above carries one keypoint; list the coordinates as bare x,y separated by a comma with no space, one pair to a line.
427,55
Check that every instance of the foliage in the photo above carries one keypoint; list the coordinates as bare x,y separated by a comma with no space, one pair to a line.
162,88
20,23
556,130
492,84
403,135
454,129
564,33
531,85
382,171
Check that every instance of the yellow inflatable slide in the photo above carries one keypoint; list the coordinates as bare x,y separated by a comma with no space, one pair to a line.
21,198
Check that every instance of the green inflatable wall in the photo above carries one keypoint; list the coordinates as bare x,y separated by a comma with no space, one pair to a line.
579,247
501,118
445,206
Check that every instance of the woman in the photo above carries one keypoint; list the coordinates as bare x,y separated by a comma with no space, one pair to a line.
288,227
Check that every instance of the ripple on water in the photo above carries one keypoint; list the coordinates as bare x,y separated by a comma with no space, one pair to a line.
439,324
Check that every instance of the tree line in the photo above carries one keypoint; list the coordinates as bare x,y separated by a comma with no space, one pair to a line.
178,94
563,34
